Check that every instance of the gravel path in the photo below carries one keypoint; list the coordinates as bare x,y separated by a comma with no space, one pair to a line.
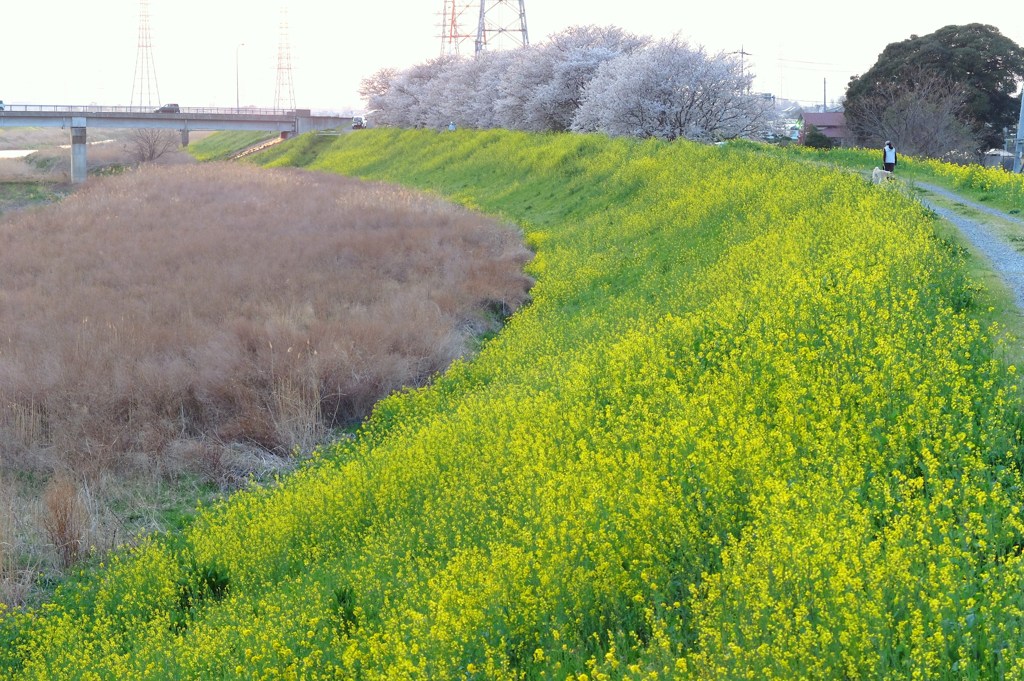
1005,259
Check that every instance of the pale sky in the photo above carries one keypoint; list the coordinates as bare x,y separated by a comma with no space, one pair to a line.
74,52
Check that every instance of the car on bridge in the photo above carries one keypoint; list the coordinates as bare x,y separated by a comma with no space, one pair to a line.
169,108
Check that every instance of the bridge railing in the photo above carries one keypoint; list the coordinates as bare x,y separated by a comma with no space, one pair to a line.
99,108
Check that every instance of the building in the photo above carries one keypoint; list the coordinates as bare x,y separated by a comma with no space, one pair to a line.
998,158
831,124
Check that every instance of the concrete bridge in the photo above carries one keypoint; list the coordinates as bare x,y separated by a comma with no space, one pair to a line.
77,120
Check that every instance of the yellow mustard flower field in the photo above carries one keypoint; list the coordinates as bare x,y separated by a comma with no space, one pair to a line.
754,424
993,185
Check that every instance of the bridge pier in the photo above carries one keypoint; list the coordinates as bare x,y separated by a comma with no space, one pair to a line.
79,162
184,136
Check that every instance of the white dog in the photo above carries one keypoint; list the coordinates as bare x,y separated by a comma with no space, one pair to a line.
877,175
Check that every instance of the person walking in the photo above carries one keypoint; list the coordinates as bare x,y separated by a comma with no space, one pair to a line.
888,157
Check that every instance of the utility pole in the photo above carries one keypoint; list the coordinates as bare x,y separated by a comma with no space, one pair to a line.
237,106
1019,151
743,66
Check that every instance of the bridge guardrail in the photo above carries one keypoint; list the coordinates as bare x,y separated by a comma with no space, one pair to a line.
99,108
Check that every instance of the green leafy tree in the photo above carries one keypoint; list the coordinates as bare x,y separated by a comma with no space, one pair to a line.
977,58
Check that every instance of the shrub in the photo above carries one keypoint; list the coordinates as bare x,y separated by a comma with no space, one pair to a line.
817,139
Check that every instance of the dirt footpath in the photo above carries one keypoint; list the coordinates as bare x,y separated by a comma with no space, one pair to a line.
1006,259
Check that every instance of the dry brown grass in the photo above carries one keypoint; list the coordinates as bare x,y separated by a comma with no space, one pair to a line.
65,520
19,170
51,163
155,322
33,138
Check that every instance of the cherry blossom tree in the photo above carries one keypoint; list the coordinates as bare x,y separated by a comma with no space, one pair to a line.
671,90
478,82
594,79
569,61
410,95
515,88
376,85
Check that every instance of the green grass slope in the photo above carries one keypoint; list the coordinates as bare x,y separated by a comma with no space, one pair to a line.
223,145
754,424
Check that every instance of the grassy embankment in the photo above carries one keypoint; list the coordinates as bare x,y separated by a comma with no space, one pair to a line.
754,423
991,187
224,145
994,186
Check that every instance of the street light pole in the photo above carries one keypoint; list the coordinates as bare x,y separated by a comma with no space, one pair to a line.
240,45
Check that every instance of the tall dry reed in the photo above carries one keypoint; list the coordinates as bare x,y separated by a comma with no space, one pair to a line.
228,304
65,520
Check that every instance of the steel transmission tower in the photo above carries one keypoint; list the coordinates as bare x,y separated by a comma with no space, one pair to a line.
455,20
144,85
284,92
502,23
499,23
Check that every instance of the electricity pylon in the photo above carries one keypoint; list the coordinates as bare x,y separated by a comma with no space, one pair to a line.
284,91
144,84
502,23
499,23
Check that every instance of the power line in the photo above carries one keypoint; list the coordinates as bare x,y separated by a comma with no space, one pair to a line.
816,63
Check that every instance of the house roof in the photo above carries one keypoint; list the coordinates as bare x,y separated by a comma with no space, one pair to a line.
827,119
